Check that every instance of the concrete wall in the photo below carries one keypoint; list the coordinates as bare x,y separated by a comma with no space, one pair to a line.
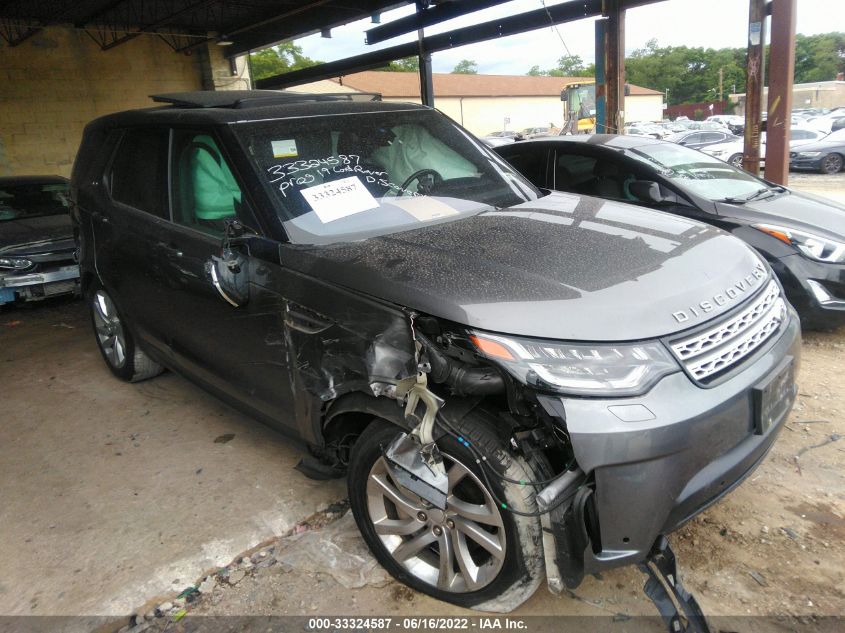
52,84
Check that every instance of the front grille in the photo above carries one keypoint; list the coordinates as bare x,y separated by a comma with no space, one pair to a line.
723,346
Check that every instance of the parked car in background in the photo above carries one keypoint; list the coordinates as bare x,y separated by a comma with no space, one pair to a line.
537,132
494,139
318,263
731,151
644,129
697,139
36,239
801,236
827,155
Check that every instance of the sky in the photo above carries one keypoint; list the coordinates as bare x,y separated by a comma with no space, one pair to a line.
710,24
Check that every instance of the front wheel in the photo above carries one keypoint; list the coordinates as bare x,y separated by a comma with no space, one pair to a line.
736,160
475,553
117,345
831,164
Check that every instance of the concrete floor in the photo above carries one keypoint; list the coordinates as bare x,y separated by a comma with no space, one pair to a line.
114,493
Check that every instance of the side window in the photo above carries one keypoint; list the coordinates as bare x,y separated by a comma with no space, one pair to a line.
530,164
574,172
204,191
139,171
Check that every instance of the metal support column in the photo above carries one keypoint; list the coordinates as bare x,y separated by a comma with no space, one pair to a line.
615,65
601,93
426,82
755,74
781,73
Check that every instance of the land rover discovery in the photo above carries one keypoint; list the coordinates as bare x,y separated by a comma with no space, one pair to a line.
498,370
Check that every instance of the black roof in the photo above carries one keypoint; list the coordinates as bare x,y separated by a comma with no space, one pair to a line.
10,181
612,141
219,108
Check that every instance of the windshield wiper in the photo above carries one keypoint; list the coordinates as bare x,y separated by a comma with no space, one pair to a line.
749,197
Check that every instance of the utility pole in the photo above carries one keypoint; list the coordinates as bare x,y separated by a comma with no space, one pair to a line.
755,75
721,84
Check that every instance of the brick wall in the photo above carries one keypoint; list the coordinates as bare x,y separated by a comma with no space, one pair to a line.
55,82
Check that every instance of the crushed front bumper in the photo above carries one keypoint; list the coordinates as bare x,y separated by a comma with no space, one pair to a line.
648,477
39,285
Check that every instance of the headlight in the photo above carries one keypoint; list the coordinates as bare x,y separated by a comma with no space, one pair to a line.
15,263
585,369
809,154
819,248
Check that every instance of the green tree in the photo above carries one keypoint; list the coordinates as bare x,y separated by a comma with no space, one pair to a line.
567,66
406,65
819,57
465,67
279,59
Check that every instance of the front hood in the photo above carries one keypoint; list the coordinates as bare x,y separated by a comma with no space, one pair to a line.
562,267
800,211
36,235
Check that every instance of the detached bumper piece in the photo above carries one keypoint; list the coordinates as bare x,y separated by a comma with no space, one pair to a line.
678,608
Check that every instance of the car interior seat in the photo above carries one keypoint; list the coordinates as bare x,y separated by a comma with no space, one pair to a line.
606,180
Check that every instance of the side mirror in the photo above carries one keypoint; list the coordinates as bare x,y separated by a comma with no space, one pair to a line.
229,272
646,191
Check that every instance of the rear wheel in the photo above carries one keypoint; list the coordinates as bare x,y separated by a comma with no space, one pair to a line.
831,164
116,343
736,160
474,553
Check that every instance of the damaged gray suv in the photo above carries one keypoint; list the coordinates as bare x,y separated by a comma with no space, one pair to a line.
517,384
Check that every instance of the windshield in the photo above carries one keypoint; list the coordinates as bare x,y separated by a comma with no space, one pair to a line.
353,176
838,135
697,172
30,200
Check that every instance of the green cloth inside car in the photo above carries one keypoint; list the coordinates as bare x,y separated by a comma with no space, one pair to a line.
213,185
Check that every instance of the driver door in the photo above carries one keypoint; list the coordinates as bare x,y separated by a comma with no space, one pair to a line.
229,348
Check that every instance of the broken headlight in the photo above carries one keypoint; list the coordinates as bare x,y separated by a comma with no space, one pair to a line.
605,369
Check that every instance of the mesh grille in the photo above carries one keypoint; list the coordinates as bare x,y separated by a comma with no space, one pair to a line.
725,345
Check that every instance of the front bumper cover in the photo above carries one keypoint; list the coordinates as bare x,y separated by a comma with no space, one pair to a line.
37,285
650,477
816,289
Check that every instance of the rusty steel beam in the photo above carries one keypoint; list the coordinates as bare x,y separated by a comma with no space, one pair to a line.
781,74
755,73
614,66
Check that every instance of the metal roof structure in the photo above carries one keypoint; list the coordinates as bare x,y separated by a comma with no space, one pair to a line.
186,24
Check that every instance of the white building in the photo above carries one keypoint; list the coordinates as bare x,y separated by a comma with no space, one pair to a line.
488,103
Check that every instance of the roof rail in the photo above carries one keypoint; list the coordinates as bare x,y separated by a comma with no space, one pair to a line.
241,99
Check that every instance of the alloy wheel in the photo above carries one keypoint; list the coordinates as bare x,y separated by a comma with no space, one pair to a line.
110,334
832,164
459,549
